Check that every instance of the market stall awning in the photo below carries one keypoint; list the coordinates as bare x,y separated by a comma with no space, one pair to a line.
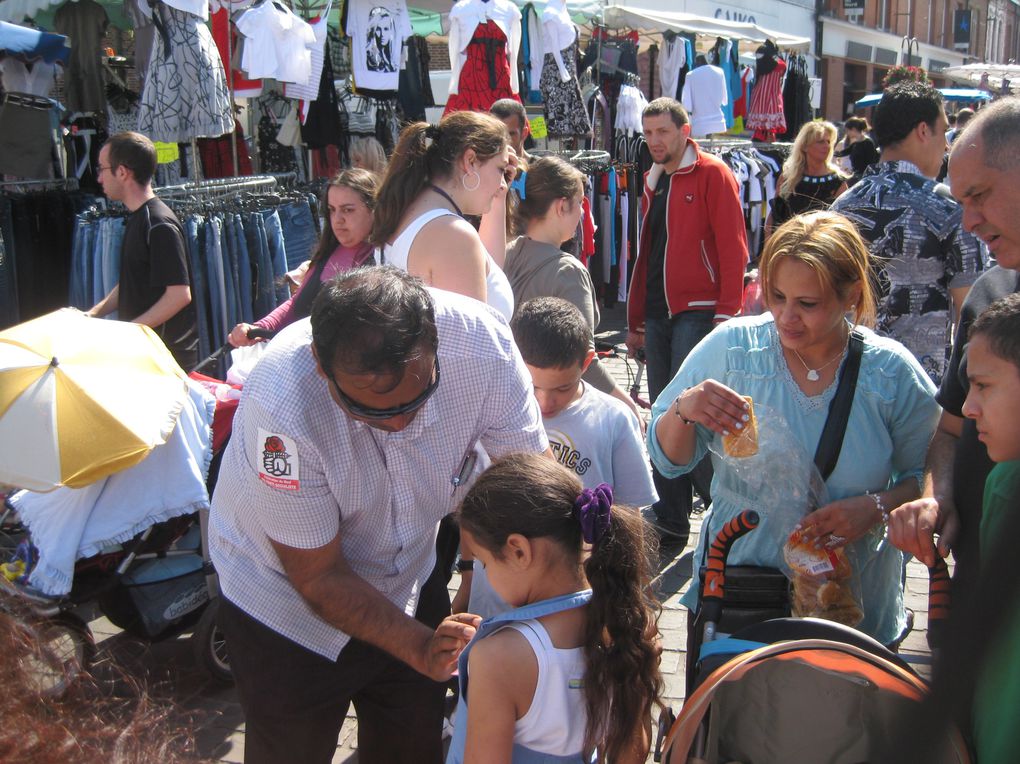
31,45
627,17
972,74
968,95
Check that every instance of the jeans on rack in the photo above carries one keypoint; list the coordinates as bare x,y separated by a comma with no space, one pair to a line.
111,231
299,234
79,292
230,288
264,297
277,253
199,282
213,258
244,269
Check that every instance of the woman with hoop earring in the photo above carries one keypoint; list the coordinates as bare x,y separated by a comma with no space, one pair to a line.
438,174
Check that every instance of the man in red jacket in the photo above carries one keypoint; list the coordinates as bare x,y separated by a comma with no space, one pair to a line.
688,275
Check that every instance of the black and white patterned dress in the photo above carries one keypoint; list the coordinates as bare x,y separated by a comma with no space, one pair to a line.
564,109
185,94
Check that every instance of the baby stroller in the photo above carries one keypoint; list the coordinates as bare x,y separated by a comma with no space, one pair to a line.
793,689
154,585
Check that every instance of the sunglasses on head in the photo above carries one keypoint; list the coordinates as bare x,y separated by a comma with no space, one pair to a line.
364,412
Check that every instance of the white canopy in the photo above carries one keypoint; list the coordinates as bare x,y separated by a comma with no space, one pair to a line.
620,17
972,74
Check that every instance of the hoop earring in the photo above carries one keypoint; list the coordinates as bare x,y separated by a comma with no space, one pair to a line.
478,181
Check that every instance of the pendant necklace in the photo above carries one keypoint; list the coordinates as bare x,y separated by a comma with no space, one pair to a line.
812,374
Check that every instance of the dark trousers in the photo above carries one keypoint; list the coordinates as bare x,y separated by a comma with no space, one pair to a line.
667,344
295,700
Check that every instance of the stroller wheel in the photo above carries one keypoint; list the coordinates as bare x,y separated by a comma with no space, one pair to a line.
67,649
210,646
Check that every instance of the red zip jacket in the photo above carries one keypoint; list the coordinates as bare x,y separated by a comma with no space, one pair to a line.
706,245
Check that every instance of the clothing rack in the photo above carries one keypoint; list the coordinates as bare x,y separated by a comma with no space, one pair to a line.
584,159
67,184
219,187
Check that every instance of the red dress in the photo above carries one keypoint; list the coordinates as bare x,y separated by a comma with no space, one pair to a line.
485,77
765,115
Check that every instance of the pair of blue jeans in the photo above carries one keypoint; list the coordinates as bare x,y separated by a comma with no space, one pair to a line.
212,256
668,341
264,296
82,240
244,272
299,233
277,253
199,280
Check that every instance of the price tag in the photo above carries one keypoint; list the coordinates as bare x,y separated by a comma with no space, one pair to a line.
538,128
167,152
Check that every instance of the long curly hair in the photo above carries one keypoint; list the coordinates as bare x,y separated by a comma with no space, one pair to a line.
531,495
795,166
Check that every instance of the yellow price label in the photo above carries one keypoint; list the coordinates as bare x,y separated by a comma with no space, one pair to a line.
167,152
538,128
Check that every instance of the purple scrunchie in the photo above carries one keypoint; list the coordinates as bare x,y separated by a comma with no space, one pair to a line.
591,508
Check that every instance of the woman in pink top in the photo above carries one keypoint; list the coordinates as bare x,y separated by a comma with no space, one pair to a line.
350,199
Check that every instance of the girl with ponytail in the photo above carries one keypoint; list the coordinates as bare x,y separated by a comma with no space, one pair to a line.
580,642
438,174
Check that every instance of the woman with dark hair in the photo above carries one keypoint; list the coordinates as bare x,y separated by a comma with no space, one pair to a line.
436,176
859,147
349,201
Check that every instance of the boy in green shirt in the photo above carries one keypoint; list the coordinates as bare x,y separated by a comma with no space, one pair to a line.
993,369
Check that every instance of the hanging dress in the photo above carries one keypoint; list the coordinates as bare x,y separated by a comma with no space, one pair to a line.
564,110
485,76
185,94
765,114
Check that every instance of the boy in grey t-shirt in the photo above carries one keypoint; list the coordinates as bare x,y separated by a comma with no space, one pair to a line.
589,432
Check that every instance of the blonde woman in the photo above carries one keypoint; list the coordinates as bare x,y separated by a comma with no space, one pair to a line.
810,179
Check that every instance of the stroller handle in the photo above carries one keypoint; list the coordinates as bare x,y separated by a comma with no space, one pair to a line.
938,602
714,584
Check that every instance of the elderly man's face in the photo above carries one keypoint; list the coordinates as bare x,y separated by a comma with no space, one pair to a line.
990,196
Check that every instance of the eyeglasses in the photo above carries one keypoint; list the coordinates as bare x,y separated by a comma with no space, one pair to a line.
364,412
106,168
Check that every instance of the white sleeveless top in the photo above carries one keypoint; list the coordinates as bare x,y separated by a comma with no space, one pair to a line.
556,721
499,295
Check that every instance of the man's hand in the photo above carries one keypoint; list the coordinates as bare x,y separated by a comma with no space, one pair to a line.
441,651
635,341
912,528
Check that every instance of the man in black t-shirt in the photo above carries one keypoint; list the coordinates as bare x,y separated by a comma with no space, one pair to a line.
155,285
982,173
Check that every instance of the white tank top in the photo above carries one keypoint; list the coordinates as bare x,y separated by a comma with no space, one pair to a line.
556,721
499,295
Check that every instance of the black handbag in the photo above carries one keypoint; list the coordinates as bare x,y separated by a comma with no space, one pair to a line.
754,593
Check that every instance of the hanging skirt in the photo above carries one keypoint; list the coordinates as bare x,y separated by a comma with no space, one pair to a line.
485,77
185,94
564,110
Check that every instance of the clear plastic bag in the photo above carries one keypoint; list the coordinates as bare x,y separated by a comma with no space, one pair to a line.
785,485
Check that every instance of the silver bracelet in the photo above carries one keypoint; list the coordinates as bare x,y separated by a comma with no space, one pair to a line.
880,507
676,408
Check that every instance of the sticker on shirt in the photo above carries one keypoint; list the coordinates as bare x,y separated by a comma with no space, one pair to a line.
278,461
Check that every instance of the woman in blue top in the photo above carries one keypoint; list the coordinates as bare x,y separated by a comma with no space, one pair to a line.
814,273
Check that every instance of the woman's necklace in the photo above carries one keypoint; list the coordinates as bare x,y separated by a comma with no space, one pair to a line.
812,374
448,198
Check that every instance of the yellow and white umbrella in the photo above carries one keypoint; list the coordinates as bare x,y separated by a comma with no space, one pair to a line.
82,398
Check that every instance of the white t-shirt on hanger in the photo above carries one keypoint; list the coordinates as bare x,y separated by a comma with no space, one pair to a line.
378,29
277,43
705,94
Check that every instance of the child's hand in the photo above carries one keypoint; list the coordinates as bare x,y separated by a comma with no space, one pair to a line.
447,643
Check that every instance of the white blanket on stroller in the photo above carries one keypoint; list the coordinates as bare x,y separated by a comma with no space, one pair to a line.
70,523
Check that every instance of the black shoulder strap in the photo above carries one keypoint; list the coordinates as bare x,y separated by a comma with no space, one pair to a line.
831,441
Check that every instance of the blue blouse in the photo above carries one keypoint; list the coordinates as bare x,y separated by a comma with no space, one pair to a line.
892,420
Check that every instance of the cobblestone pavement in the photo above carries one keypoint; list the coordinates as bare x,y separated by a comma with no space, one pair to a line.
217,717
